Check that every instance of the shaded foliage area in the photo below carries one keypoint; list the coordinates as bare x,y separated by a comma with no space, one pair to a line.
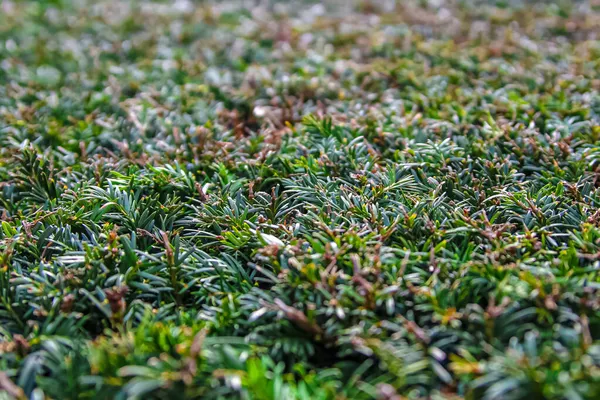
316,201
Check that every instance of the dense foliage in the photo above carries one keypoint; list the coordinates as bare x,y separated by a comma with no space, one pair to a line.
300,201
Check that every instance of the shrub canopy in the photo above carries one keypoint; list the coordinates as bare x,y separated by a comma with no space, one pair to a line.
300,200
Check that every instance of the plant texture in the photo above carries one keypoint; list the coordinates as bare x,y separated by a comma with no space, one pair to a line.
300,200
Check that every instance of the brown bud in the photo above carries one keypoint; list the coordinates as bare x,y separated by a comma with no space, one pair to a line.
67,303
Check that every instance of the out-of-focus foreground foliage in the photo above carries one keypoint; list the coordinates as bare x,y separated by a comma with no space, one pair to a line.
300,200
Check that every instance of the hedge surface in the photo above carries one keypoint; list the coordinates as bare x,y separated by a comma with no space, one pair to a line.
337,200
